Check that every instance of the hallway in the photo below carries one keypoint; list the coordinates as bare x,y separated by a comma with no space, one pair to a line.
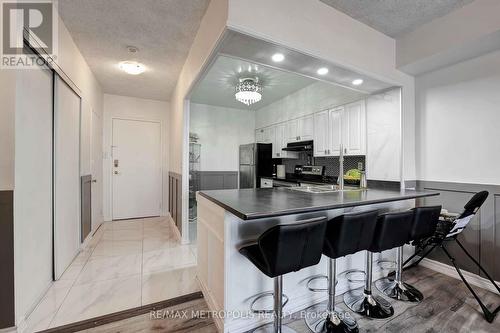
127,264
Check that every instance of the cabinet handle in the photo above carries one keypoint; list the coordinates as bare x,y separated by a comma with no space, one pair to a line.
345,150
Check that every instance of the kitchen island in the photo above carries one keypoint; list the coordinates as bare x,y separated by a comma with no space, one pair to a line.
229,218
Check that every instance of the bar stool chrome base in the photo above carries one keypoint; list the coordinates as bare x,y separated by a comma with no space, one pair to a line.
401,291
260,296
368,305
269,328
319,320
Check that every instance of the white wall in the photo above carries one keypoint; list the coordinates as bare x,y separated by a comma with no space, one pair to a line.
211,29
458,119
313,98
221,132
383,136
139,109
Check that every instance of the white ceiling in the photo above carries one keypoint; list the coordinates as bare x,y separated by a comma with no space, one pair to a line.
396,17
163,31
217,87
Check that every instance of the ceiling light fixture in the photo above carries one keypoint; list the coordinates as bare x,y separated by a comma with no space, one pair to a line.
132,67
357,82
248,91
278,57
322,71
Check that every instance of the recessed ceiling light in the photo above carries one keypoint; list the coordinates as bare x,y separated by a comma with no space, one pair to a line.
132,67
278,57
357,82
322,71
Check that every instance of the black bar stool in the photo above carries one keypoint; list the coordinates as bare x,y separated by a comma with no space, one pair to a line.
392,231
424,225
284,249
345,234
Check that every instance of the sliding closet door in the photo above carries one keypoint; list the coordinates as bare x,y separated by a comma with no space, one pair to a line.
66,176
33,187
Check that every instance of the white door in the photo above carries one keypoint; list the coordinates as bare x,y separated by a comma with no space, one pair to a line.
96,170
33,186
136,169
66,177
306,128
335,131
354,128
321,133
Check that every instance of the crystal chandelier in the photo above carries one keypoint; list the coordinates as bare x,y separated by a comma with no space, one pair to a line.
248,91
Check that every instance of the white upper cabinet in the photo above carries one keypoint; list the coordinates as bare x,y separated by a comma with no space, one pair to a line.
269,134
354,135
259,135
292,130
301,129
335,123
280,142
321,133
306,128
344,125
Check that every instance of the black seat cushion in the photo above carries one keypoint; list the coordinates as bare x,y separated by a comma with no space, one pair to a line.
425,221
393,230
349,233
288,248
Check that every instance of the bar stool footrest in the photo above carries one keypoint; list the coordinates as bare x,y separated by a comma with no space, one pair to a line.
349,275
258,297
314,278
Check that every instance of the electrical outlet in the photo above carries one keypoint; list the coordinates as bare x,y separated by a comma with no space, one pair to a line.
360,166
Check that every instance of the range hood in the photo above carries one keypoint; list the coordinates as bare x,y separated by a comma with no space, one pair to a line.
299,146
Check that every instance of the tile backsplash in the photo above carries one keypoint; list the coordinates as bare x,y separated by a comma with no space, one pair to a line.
331,164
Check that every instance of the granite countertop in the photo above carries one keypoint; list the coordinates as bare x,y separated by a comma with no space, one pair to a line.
249,204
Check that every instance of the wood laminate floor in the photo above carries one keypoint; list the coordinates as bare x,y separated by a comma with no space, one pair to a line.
448,307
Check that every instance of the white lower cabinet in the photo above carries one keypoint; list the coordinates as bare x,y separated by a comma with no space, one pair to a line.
344,125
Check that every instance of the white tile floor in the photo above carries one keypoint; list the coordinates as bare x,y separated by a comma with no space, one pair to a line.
127,264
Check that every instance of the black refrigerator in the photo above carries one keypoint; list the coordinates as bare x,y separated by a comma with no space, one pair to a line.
255,163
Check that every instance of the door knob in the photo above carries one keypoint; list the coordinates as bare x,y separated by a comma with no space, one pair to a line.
94,180
117,173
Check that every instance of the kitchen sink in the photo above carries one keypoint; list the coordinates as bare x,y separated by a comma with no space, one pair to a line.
323,189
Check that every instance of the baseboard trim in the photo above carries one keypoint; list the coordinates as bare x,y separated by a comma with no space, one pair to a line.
176,230
8,329
121,315
450,271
